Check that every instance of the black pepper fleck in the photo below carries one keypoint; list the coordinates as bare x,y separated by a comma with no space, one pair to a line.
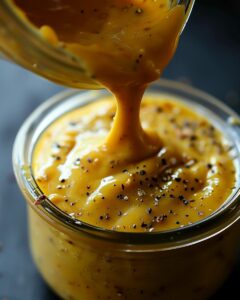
142,172
149,210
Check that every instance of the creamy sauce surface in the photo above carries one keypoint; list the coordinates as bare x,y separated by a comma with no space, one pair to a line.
188,179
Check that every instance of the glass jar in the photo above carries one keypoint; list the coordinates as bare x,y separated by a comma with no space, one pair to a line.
84,262
22,43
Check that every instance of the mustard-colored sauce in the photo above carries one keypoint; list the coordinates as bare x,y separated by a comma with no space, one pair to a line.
127,166
124,45
189,178
120,42
169,169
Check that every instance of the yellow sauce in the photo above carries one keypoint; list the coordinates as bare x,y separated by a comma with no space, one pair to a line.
188,179
123,44
126,165
170,169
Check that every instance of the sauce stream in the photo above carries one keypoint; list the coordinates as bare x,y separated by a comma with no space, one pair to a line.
125,46
105,164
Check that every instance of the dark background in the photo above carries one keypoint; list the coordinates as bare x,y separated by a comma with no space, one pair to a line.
208,57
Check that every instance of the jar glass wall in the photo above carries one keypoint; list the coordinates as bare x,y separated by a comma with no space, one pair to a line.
80,261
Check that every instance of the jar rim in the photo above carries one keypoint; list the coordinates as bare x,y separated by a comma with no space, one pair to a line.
220,220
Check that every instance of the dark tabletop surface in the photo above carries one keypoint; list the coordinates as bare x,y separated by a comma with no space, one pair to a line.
208,57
